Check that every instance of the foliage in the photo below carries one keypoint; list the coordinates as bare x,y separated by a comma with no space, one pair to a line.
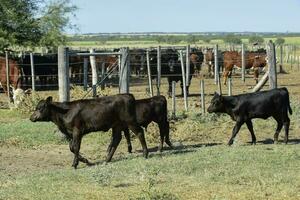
232,39
18,25
279,41
256,39
55,20
34,23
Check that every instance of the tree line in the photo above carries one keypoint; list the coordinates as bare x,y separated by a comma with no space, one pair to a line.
175,39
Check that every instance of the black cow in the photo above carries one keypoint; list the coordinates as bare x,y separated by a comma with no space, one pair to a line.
151,110
45,68
244,107
170,67
77,118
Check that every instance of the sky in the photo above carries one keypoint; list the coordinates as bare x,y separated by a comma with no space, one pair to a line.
106,16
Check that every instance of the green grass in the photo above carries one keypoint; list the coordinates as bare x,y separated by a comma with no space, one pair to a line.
201,166
220,172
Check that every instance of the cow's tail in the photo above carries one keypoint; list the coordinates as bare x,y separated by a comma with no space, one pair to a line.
288,102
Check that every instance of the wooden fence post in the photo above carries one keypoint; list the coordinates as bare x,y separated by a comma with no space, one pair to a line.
85,73
124,71
216,65
281,60
94,73
298,57
63,74
149,73
229,86
272,65
158,69
103,76
202,96
32,71
188,50
243,63
7,77
183,82
173,100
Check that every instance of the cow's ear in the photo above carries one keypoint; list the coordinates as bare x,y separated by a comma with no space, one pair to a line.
49,99
216,94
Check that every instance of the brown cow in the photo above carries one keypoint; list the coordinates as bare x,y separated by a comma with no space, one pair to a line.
254,59
14,75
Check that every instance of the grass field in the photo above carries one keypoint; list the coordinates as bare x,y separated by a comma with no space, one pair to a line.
36,161
147,43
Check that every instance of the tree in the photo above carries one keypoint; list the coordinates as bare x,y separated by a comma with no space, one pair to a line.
206,40
54,21
255,39
279,41
34,22
232,39
192,39
18,26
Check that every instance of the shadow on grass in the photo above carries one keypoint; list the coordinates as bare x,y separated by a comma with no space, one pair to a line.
271,141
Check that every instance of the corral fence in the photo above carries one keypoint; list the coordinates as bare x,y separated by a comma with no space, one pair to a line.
120,69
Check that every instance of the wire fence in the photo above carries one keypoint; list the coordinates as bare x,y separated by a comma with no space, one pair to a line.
46,75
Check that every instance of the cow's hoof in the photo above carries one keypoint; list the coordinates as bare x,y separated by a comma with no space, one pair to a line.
275,142
145,154
230,142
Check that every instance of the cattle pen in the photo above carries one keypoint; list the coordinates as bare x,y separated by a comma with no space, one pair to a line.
36,159
124,68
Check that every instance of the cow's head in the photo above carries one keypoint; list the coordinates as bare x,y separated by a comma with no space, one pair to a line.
42,111
216,104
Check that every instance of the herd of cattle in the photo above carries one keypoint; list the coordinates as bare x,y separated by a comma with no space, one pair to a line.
46,70
123,112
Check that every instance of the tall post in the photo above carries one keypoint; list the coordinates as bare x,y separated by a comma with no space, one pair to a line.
298,62
183,82
7,76
173,100
63,74
188,50
229,86
149,73
272,65
124,71
216,64
202,96
102,76
158,69
243,63
32,71
281,59
85,73
94,73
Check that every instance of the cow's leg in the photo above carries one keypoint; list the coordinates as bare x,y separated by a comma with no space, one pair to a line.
286,125
127,136
138,131
250,128
170,87
256,74
164,135
75,146
116,138
235,131
225,76
110,145
167,135
278,129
